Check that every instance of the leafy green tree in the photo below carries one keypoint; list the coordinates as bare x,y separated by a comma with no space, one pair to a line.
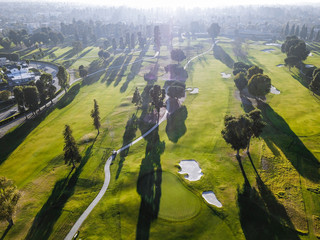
76,47
136,99
236,132
157,38
51,92
292,31
5,43
42,91
31,97
291,62
177,55
257,125
4,95
297,31
95,114
314,86
127,43
121,43
304,32
318,36
311,35
241,81
63,77
133,41
82,71
259,85
176,92
18,95
286,31
157,95
253,71
114,44
9,197
71,151
214,30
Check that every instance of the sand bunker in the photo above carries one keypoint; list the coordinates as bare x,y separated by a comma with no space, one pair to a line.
225,75
195,91
309,65
273,90
310,54
280,65
191,169
211,198
188,89
273,44
268,50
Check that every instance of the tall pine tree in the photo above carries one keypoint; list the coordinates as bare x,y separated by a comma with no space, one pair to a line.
71,151
95,114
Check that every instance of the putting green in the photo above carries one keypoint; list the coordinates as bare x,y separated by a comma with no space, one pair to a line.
177,203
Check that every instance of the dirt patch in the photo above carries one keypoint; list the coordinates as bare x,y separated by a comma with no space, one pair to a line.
280,65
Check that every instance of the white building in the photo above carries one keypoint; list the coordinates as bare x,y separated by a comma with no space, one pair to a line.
3,61
20,77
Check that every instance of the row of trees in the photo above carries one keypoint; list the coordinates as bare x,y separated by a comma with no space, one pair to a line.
296,51
252,78
21,37
303,33
9,195
30,95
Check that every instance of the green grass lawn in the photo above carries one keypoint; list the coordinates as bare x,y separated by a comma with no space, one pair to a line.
147,197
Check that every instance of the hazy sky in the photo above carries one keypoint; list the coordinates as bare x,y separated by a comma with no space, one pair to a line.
182,3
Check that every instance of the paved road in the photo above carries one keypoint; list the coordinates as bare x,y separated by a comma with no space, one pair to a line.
104,188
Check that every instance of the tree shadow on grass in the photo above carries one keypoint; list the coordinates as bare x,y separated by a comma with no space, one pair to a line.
262,216
176,126
50,212
149,185
122,70
96,70
6,231
113,69
69,96
128,136
134,70
279,133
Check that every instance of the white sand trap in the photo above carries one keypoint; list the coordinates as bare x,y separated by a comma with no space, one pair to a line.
191,168
273,90
195,91
225,75
211,198
280,65
188,89
310,54
309,65
268,50
273,44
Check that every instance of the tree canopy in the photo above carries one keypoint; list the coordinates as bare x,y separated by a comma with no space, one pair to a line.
71,151
214,30
259,85
240,81
157,95
95,114
9,197
63,77
136,99
177,55
295,47
236,131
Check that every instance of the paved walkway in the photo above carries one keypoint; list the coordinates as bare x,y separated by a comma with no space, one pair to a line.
104,188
